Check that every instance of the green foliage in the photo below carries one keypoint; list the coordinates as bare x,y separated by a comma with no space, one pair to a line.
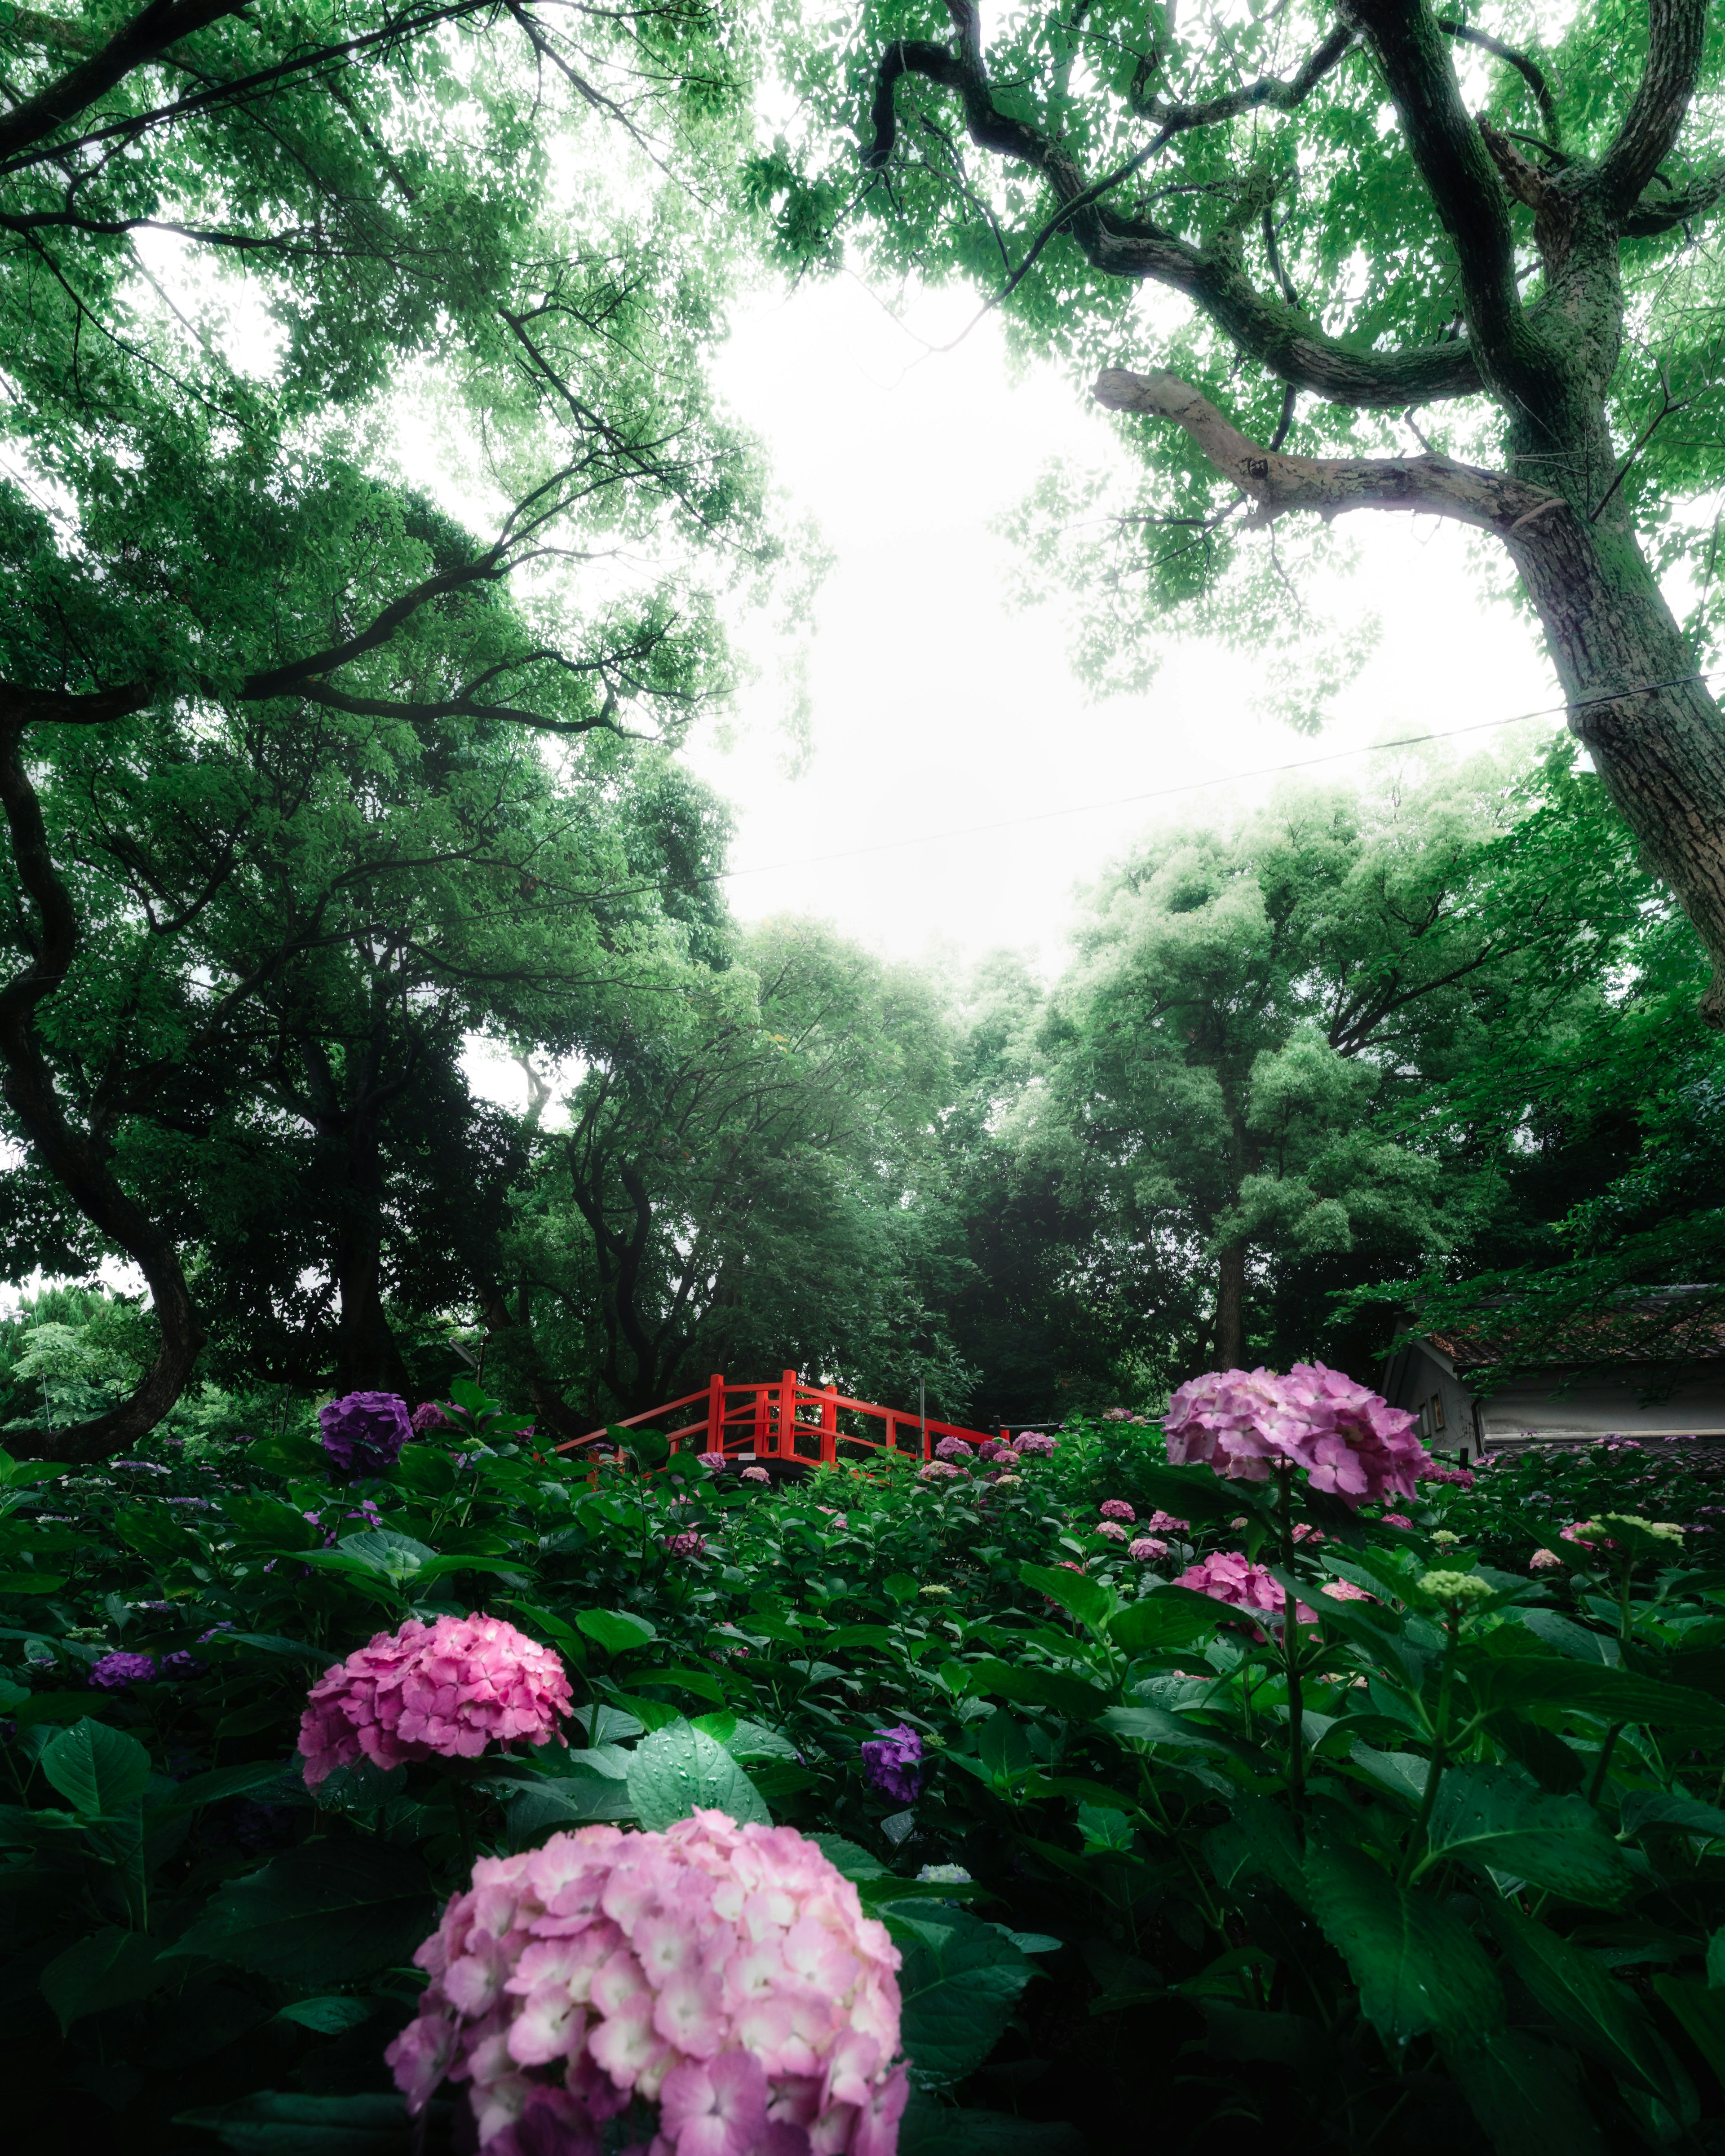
1503,1807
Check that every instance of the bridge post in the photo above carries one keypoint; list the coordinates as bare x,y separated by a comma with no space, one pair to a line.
788,1416
829,1428
715,1412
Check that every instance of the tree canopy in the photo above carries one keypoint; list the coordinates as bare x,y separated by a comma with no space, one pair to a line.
1377,257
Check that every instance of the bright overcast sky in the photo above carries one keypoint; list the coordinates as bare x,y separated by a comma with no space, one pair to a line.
936,705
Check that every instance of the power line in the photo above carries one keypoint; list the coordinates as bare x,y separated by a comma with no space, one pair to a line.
1129,800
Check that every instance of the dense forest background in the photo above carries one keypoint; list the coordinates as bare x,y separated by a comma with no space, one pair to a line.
371,537
1425,1041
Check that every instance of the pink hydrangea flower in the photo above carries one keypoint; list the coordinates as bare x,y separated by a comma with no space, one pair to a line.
938,1470
439,1691
1033,1442
951,1448
1396,1520
1588,1534
1229,1576
1544,1560
1440,1470
1116,1508
687,1544
1344,1590
1245,1423
756,1474
1148,1548
725,1974
1112,1529
713,1462
1164,1523
1306,1532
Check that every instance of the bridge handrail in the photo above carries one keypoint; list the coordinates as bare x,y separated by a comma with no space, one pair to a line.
767,1414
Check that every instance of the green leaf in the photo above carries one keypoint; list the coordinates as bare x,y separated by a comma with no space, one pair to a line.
1080,1596
293,1453
549,1807
1523,2093
276,1643
327,1912
1030,1685
111,1968
959,1984
1492,1817
1417,1967
930,2128
1571,1639
846,1857
1166,1617
747,1740
1542,1681
31,1582
99,1771
1647,1808
1586,2004
1261,1837
617,1631
859,1635
1403,1772
1157,1725
901,1586
59,1707
329,2017
426,1470
275,2123
680,1767
1716,1960
395,1557
1702,2011
220,1782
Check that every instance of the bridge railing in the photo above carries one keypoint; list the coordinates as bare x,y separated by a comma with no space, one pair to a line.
783,1418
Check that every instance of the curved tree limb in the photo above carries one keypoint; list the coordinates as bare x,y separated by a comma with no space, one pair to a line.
1456,164
145,38
1677,30
1262,325
1530,71
1491,501
78,1160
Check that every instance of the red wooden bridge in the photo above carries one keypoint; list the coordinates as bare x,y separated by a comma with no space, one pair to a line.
783,1418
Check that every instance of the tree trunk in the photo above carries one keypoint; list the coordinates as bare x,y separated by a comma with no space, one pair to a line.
1661,753
368,1357
1231,1307
81,1161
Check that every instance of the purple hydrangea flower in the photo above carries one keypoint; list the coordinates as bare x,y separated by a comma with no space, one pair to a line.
1033,1441
221,1625
364,1433
429,1415
714,1462
183,1664
951,1448
892,1764
121,1672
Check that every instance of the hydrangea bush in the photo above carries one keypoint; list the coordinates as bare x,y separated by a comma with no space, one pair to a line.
725,1975
1338,1789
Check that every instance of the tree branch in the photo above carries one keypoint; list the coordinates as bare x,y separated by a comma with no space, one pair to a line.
1491,501
1266,329
1677,30
242,86
1529,71
1654,214
145,38
1454,162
